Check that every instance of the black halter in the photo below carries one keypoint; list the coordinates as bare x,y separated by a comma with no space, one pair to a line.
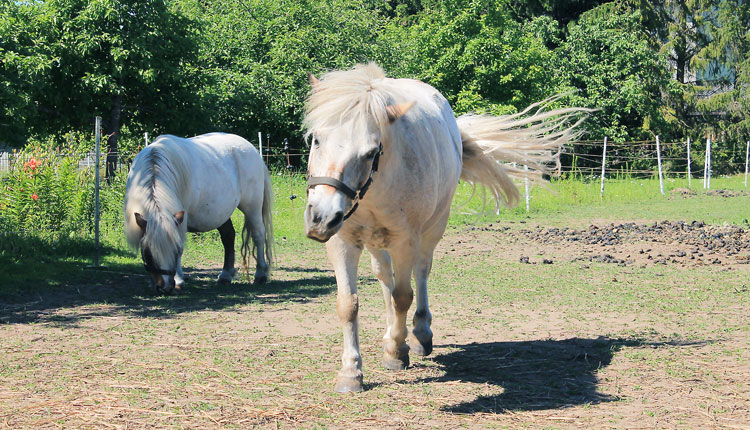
148,263
354,195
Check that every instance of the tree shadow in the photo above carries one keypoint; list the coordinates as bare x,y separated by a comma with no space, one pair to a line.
126,291
534,375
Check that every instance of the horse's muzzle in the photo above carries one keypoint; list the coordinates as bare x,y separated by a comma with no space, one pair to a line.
321,226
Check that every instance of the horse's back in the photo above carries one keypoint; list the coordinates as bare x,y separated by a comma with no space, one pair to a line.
220,172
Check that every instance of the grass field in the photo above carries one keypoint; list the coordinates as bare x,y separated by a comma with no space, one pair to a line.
642,325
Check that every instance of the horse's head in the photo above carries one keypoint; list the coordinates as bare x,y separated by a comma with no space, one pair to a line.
343,156
161,250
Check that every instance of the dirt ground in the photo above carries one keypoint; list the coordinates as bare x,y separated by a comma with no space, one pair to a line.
650,330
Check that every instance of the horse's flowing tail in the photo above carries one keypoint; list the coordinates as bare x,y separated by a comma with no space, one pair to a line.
267,216
533,138
266,211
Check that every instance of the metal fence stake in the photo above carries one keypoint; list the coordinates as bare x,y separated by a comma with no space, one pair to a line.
658,160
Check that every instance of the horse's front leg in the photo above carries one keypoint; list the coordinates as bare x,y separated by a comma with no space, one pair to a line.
344,257
226,231
179,277
395,349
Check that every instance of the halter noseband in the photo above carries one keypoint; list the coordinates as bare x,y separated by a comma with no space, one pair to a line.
354,195
151,268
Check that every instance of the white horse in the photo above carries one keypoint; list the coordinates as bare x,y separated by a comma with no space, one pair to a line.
398,141
178,185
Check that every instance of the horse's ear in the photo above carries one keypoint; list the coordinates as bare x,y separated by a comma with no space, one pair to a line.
140,221
313,80
395,112
179,217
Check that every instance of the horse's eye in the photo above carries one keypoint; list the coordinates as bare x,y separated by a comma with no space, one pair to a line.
315,142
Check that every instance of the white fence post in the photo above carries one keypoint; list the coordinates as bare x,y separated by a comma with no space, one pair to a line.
747,158
97,134
689,175
145,139
708,183
604,163
526,169
260,144
705,165
658,159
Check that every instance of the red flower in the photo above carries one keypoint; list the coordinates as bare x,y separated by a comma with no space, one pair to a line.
31,164
34,197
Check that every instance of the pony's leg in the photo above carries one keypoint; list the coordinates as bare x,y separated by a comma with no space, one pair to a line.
344,257
381,266
396,351
258,233
179,278
226,231
420,339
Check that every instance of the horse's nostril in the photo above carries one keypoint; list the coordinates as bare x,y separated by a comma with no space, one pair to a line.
336,219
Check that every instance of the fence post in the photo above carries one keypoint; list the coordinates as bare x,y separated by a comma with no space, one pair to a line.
708,183
268,147
526,169
658,160
747,158
689,175
260,144
705,165
97,134
604,163
145,139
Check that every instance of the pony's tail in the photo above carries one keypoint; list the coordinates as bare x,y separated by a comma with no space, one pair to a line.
267,216
532,139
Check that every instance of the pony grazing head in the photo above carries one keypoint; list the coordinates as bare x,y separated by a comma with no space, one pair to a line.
161,247
348,115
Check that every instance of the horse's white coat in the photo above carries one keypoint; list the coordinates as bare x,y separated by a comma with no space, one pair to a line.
404,214
207,177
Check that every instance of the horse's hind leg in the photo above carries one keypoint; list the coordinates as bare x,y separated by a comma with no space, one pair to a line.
383,270
420,339
254,222
226,231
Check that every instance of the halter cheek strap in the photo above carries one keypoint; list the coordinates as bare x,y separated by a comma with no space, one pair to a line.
354,195
151,267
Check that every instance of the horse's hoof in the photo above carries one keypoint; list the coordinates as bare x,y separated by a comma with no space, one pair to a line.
178,287
422,349
399,363
224,281
348,384
260,280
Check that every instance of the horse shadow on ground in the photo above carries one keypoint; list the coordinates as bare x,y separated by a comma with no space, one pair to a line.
125,291
535,375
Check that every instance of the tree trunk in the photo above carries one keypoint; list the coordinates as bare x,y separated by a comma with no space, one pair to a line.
114,125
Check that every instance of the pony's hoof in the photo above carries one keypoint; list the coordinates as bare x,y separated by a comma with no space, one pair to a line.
178,287
260,280
398,363
345,384
224,281
422,348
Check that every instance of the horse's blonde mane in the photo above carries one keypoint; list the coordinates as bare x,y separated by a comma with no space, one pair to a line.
361,93
153,191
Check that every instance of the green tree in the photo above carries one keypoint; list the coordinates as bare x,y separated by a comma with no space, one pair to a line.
609,64
726,58
130,61
475,54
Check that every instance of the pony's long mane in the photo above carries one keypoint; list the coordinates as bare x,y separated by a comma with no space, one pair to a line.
361,94
152,191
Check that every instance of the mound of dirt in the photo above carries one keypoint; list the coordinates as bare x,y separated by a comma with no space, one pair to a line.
664,242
